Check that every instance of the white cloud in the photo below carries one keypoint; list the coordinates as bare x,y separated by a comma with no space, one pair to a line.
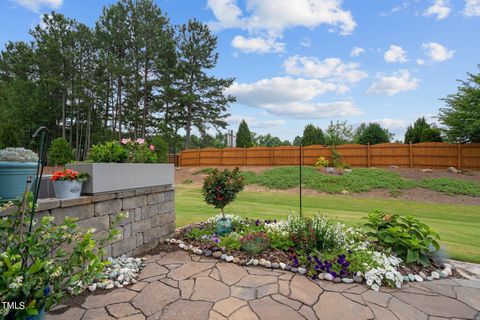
440,8
420,62
254,122
269,19
330,69
306,42
472,8
292,97
436,52
392,123
257,45
228,14
395,54
356,51
35,5
281,14
397,82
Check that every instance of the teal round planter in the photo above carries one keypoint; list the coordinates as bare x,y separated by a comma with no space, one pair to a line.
224,226
13,178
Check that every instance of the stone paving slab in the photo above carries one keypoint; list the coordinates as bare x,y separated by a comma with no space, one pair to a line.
178,285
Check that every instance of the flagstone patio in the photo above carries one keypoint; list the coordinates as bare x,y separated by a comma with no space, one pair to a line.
178,285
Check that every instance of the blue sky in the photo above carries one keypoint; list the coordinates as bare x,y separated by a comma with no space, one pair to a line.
313,61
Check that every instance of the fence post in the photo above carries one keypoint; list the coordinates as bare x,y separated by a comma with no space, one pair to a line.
198,156
221,156
410,155
459,156
244,156
368,155
271,156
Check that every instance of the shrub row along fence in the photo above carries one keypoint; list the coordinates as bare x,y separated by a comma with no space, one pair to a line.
435,155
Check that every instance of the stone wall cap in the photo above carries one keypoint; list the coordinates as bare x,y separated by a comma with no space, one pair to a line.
75,202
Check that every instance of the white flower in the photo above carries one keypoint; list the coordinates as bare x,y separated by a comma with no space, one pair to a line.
369,282
375,287
17,283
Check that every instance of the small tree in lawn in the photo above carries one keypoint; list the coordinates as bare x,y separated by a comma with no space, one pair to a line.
219,189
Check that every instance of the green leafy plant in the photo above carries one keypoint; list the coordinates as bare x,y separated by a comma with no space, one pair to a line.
337,159
409,238
281,241
108,152
39,268
231,242
60,153
139,151
322,162
221,187
255,242
160,147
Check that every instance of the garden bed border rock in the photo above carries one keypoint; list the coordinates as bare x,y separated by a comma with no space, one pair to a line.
444,272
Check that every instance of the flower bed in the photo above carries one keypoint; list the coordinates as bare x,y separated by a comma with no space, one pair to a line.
322,248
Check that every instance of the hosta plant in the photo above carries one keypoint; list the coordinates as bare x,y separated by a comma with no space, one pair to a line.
406,236
40,267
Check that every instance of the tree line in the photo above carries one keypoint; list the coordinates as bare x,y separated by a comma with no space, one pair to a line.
133,74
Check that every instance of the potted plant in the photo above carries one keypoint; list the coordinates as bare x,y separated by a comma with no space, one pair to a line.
37,270
129,164
68,183
219,189
16,165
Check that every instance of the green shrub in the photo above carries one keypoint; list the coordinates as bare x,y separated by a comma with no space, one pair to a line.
230,242
337,159
160,148
409,238
322,162
221,187
60,153
255,242
108,152
280,241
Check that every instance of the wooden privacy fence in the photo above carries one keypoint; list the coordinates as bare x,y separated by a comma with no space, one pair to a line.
435,155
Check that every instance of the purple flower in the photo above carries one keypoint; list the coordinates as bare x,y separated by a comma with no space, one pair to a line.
309,259
257,222
346,264
343,273
274,220
317,267
333,273
295,261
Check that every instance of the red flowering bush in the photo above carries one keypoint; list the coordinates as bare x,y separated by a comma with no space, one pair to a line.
221,187
68,175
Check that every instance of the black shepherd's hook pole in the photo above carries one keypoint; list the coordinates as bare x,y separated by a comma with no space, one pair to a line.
300,167
42,161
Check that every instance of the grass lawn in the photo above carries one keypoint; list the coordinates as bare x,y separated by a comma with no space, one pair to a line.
458,225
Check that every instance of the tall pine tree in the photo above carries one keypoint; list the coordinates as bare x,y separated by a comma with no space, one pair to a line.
202,95
244,136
